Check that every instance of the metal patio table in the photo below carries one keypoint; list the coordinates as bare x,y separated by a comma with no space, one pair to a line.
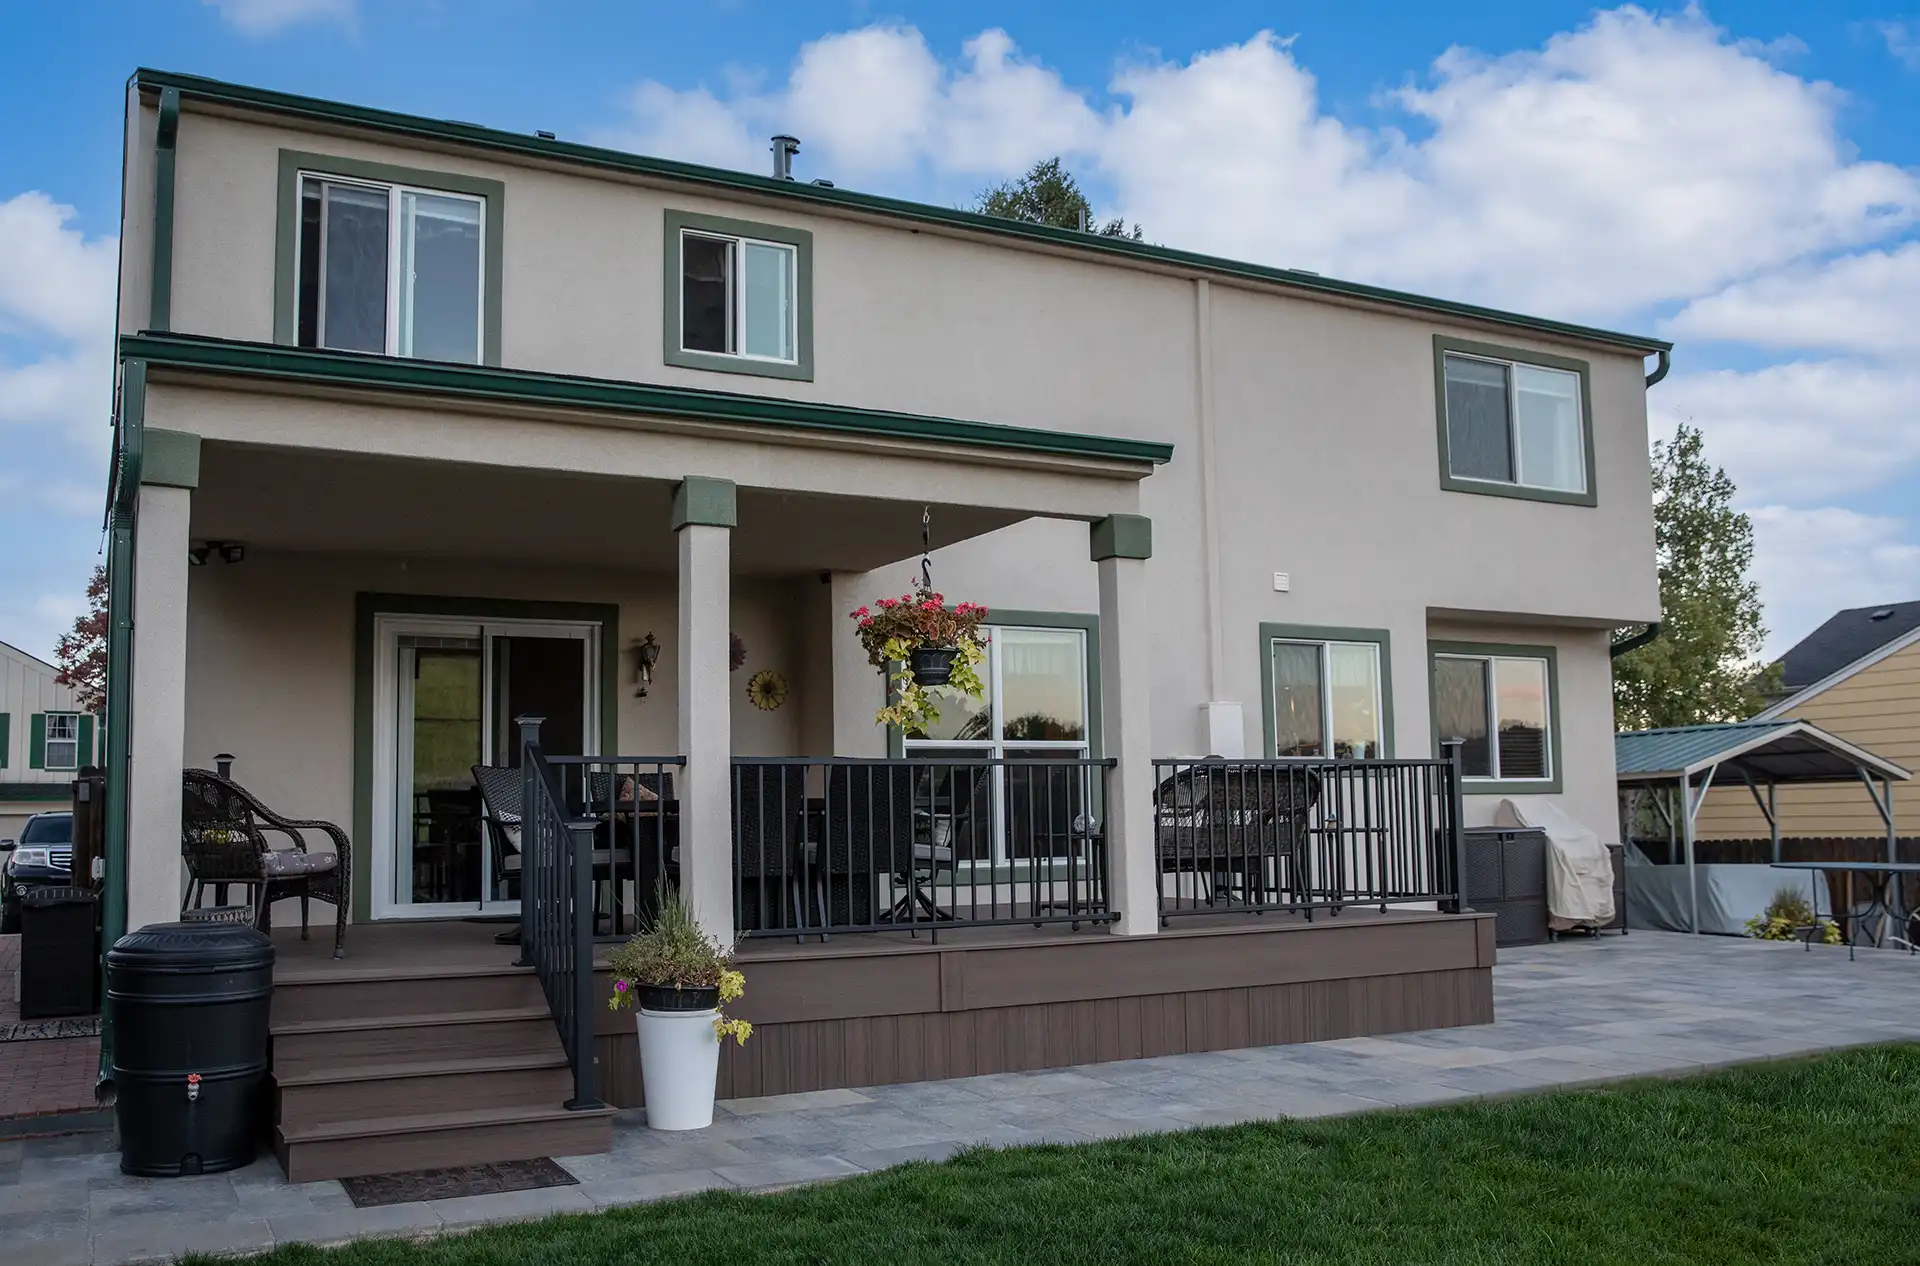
1883,897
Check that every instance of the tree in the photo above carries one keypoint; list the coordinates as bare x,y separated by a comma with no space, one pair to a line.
82,653
1048,194
1701,667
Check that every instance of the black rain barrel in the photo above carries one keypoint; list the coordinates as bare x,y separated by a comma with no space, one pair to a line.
189,1003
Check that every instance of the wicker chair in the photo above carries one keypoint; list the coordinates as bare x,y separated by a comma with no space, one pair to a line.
1239,822
223,839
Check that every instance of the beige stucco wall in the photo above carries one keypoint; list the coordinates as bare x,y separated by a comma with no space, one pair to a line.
1877,708
270,661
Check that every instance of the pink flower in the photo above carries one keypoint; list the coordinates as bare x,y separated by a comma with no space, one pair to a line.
866,624
619,986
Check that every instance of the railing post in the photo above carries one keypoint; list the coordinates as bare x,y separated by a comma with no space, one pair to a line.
1456,824
529,727
580,845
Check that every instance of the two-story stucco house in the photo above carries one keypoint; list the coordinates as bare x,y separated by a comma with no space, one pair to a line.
425,426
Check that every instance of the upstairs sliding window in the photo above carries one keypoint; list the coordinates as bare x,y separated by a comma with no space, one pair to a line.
390,269
1514,424
737,297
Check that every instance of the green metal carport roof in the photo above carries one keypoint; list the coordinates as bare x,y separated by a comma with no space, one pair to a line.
1770,751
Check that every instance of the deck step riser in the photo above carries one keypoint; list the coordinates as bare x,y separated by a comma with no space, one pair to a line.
299,1052
408,1096
438,1149
372,999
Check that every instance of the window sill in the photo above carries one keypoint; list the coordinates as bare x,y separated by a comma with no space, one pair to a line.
1509,787
1517,492
721,363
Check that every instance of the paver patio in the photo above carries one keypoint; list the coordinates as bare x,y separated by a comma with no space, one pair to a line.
1570,1014
41,1078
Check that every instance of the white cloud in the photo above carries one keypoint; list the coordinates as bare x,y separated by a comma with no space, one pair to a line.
1638,160
269,17
1855,303
1903,41
52,280
56,300
1813,562
1804,430
873,102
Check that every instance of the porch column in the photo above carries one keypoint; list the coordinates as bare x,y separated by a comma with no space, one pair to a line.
859,690
704,515
158,726
1121,545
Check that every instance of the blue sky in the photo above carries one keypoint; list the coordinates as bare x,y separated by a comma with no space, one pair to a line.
1744,178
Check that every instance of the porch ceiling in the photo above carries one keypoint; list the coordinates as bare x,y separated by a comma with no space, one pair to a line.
299,500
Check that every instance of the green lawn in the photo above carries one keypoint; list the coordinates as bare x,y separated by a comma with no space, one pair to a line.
1814,1161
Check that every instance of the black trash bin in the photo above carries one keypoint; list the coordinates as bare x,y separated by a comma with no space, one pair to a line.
189,1004
59,952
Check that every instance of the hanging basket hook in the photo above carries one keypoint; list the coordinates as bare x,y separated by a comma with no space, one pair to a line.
926,548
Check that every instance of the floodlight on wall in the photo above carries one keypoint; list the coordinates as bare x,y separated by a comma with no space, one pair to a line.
233,552
198,555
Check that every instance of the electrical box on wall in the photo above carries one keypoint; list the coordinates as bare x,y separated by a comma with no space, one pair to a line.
1282,582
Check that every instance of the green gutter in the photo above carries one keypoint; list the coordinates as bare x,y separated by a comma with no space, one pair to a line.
1660,369
119,718
441,131
1629,644
270,362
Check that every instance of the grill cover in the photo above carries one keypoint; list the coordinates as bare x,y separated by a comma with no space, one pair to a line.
1579,870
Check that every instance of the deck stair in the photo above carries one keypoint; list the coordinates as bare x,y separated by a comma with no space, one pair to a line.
380,1069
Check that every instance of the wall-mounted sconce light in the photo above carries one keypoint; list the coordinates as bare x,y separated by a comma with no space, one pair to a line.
646,654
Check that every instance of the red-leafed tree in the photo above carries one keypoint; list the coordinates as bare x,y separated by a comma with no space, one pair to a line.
82,653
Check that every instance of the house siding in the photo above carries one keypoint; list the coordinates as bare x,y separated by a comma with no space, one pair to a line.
1877,708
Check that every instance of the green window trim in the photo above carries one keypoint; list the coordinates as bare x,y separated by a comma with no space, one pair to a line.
1270,633
1442,344
1087,624
800,369
1504,786
368,606
6,740
286,239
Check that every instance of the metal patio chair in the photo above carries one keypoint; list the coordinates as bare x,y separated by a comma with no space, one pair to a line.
223,840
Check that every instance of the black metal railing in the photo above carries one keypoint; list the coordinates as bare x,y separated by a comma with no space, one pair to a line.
1306,835
633,806
824,845
556,906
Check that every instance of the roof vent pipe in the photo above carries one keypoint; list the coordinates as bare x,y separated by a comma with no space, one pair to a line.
784,148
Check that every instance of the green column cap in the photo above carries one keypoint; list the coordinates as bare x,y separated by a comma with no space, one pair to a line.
705,502
1122,536
170,459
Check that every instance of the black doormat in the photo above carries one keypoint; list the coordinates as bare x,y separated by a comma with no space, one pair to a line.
48,1030
461,1180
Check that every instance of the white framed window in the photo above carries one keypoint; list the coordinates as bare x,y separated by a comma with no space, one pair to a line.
63,740
1501,707
737,297
1514,423
390,269
1327,698
1037,707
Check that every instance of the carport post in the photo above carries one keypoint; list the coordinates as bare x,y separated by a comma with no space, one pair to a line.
1686,843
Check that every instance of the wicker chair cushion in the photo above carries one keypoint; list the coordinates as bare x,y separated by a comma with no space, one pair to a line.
287,863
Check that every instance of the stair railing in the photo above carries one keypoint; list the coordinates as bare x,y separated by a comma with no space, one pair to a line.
556,907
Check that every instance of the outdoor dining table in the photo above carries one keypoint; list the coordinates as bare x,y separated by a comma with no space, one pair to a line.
1883,904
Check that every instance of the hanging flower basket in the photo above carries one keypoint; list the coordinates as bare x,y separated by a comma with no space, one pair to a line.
922,644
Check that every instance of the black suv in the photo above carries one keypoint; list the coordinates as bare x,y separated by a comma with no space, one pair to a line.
42,857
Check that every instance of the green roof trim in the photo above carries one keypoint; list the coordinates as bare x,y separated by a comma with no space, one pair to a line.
335,114
270,361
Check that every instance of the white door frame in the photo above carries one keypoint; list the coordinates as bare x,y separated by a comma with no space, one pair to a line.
389,744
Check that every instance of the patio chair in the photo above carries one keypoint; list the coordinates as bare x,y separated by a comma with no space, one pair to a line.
1242,825
769,804
870,832
223,840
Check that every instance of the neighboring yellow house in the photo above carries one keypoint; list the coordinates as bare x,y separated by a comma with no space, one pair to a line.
1858,677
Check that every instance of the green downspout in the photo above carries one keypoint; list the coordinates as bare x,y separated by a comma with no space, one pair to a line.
1652,630
1635,642
130,444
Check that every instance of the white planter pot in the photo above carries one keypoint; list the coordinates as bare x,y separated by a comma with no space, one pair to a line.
679,1067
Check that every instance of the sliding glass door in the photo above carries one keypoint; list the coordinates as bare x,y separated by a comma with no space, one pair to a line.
447,693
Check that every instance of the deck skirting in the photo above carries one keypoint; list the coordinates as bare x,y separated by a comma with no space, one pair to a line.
850,1014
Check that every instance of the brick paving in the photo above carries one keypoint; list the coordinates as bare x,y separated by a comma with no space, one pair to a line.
40,1078
1572,1014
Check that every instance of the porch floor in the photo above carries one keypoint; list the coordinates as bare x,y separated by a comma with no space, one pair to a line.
1574,1013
